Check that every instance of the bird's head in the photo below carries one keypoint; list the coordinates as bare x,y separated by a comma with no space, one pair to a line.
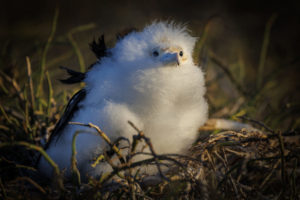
169,56
160,44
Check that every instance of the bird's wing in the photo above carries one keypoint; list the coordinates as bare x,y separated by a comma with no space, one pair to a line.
75,77
99,49
71,108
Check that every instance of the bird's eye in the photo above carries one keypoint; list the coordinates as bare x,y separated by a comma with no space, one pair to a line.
155,53
181,53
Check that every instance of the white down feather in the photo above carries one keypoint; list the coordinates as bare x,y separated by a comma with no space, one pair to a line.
166,102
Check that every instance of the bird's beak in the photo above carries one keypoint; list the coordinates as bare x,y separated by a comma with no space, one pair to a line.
170,59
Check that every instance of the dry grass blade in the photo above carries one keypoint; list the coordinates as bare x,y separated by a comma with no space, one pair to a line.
43,153
35,184
148,142
27,128
261,124
18,165
30,83
4,114
269,175
104,136
3,189
283,170
74,169
293,182
50,96
15,85
2,86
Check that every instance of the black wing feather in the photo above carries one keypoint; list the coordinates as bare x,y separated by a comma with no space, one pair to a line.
100,50
75,77
71,108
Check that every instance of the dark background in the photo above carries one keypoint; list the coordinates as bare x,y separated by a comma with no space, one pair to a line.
235,36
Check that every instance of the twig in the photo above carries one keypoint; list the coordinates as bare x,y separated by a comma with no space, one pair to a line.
135,139
173,155
104,136
211,161
240,154
257,122
269,175
293,182
111,161
148,142
168,156
136,164
98,160
228,171
141,133
250,189
283,172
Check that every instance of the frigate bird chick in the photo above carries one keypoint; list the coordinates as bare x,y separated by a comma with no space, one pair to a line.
148,78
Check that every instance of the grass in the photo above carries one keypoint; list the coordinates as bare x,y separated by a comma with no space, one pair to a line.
258,164
45,51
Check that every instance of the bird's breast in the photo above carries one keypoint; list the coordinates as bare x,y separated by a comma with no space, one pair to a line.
164,89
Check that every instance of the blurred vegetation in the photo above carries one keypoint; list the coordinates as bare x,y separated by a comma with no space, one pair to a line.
251,60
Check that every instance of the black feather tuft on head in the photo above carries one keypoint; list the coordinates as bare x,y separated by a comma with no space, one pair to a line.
75,77
99,48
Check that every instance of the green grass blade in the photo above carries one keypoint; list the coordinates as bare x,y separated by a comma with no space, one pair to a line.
45,51
50,96
75,45
264,50
30,83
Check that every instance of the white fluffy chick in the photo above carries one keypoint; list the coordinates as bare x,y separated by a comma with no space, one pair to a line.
150,79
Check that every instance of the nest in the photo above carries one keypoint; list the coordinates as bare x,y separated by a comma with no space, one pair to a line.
226,165
248,165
